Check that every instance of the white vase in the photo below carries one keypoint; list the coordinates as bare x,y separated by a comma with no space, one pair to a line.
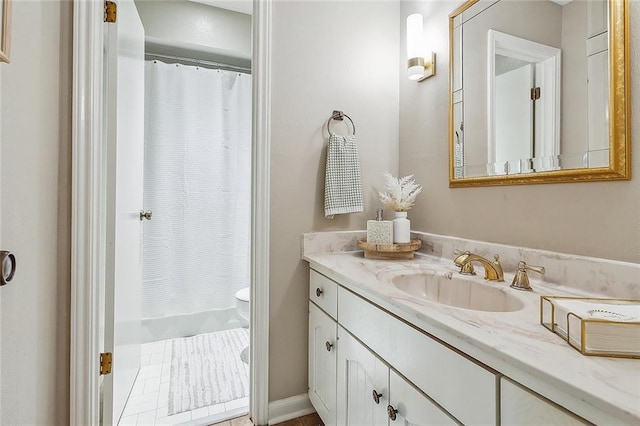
401,228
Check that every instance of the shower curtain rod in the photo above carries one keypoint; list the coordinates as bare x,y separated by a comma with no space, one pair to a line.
202,62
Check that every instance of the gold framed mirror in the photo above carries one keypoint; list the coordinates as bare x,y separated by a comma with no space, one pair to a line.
539,92
5,29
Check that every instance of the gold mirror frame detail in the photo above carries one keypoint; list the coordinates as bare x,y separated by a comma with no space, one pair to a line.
5,30
619,114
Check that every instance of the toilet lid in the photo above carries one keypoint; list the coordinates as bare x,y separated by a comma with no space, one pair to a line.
243,294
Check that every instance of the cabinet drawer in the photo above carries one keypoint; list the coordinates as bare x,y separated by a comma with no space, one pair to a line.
324,293
460,386
522,407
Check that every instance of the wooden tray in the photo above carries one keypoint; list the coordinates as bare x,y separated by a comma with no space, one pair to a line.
389,251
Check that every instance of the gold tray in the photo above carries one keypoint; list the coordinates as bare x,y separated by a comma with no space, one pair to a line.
585,332
389,251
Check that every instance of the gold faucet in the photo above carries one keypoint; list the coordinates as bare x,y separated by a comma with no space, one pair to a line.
492,270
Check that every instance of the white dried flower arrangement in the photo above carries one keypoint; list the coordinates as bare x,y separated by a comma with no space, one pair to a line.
401,192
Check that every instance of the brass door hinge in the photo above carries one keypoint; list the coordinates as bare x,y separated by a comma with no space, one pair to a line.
535,93
110,11
105,363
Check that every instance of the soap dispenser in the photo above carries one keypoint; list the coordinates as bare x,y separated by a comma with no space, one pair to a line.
379,231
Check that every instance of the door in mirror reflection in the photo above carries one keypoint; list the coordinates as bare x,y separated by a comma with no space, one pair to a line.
523,87
513,136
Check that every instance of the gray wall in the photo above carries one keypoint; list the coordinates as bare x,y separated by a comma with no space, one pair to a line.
594,219
36,144
326,55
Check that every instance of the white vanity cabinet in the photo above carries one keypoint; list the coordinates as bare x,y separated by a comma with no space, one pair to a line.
322,363
344,373
323,306
461,386
369,367
371,393
519,406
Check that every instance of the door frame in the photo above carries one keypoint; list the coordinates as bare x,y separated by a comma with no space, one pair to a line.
88,236
548,71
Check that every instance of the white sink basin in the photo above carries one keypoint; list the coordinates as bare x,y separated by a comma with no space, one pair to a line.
456,292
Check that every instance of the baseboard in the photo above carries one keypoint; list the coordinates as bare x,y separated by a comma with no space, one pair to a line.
289,408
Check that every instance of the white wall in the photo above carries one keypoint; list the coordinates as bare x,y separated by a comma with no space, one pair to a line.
35,153
595,219
185,28
326,55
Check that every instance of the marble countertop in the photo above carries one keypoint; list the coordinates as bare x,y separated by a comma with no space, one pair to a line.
600,389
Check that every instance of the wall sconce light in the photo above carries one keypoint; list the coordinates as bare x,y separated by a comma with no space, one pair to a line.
419,66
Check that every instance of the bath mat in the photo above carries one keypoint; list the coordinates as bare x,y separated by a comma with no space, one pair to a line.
207,369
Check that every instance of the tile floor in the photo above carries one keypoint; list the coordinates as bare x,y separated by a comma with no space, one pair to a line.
148,402
310,420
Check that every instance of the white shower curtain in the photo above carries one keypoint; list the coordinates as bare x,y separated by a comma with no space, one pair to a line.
197,175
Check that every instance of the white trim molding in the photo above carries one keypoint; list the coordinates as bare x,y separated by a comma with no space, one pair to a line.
88,189
86,213
260,222
290,408
548,63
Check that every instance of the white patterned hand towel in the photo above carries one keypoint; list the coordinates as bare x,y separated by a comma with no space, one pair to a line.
342,186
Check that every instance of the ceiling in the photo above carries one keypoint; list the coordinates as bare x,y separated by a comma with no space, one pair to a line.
242,6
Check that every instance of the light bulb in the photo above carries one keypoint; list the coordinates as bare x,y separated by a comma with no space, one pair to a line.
414,36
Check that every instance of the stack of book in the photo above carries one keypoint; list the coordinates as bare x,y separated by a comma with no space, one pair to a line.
604,327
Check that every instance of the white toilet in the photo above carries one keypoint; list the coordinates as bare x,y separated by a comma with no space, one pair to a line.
242,303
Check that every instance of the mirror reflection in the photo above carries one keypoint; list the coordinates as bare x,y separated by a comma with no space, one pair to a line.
523,83
530,87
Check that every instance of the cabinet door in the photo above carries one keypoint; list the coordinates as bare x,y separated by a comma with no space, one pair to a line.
322,364
462,387
360,374
518,406
413,407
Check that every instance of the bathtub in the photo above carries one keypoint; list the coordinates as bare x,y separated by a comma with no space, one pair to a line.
183,325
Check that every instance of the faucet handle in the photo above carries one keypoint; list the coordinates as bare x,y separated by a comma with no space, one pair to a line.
538,269
521,279
460,256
